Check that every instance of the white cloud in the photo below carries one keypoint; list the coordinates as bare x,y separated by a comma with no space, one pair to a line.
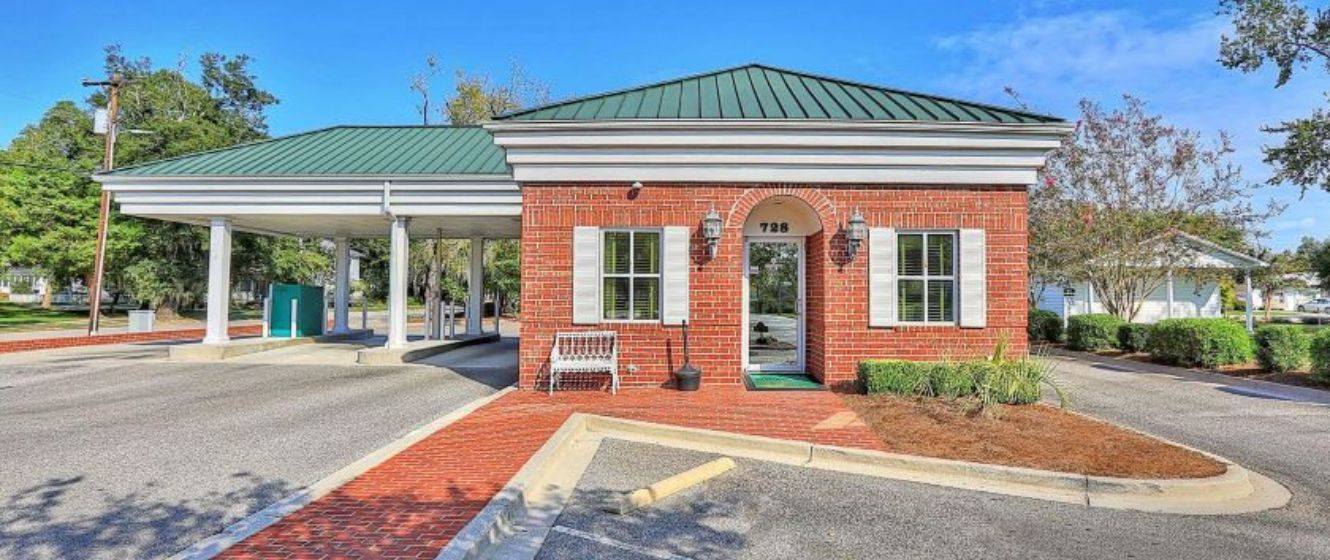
1054,60
1082,51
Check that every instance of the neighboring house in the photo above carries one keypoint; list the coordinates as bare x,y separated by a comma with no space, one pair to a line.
1176,297
22,285
1288,299
865,221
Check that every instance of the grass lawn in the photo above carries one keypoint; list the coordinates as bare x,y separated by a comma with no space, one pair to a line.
15,317
1032,435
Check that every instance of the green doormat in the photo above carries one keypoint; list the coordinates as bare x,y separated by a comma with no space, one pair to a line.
783,382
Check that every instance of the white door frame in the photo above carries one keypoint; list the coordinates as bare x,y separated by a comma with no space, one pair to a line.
801,347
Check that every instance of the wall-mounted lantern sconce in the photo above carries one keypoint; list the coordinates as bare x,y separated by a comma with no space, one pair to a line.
711,225
855,233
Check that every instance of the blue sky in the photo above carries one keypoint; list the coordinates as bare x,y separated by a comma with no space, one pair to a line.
336,62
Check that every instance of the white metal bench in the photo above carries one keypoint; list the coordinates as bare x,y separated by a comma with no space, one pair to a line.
585,352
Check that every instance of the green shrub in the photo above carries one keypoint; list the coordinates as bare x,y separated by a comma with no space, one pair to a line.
1132,337
897,377
1095,331
1320,354
1200,342
952,380
1018,381
1281,348
1044,325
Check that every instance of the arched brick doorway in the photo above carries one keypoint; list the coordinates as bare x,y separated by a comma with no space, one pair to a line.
782,235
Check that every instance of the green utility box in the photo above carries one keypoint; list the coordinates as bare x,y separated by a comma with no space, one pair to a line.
309,310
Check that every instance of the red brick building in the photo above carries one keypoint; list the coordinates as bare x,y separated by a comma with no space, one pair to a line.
796,223
792,165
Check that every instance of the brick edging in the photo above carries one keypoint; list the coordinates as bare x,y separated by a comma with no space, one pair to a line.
11,346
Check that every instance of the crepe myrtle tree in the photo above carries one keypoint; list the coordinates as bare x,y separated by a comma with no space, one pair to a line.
1112,198
1286,35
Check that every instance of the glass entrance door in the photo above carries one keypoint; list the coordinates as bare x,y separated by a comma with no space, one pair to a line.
775,282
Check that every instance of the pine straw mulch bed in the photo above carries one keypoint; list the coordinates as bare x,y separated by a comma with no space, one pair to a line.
1033,436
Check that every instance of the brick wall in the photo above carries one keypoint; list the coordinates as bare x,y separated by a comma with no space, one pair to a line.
838,335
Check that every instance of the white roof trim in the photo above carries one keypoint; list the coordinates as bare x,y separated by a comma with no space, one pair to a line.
1060,128
1211,248
377,179
743,151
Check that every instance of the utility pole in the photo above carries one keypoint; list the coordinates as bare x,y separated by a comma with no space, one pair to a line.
108,163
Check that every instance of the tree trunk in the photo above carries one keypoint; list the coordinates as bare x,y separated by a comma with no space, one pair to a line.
46,295
1269,298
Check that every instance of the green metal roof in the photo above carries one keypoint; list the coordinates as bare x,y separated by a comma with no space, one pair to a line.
343,151
756,91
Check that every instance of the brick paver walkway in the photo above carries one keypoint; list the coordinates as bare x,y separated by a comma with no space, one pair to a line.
413,504
23,345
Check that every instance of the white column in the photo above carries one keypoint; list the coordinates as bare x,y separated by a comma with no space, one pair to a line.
1169,281
1089,297
342,293
219,281
476,287
399,256
1246,278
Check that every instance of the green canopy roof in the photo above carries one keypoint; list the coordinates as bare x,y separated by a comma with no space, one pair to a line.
756,91
344,151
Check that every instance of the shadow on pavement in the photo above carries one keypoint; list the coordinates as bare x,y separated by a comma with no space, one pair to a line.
35,524
584,530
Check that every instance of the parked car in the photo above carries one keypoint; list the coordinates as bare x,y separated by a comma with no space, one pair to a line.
1318,305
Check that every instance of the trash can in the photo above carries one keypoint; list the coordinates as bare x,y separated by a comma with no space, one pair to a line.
141,320
309,311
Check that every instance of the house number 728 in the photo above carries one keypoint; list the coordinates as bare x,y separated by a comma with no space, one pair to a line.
775,227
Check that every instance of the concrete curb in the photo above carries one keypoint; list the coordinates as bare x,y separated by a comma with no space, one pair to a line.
262,519
1237,490
508,509
200,352
418,350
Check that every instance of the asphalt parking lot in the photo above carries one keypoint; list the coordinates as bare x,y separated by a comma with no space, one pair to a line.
768,511
113,452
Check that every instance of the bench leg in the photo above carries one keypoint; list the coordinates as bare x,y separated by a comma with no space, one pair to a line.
554,380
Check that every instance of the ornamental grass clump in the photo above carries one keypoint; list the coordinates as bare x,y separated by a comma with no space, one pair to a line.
1094,331
1320,354
1282,348
1207,343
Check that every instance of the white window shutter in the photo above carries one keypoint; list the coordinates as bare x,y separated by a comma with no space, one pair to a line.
881,277
586,275
674,274
973,279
